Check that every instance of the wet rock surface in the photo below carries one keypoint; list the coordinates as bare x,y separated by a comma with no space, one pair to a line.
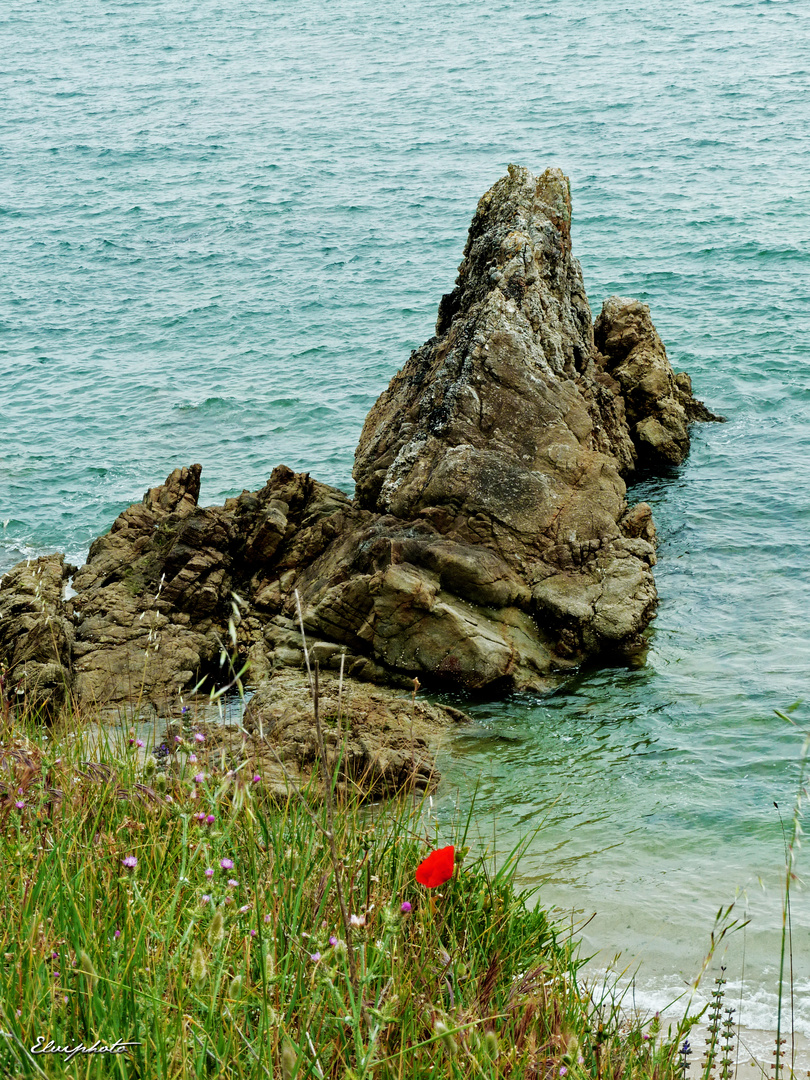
490,542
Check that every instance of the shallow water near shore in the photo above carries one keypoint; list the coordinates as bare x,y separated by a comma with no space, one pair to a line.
223,229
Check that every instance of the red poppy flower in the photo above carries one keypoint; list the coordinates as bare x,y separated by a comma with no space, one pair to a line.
436,868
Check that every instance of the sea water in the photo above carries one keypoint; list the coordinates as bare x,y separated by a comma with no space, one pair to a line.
223,227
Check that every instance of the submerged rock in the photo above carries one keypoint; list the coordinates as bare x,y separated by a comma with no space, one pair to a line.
490,542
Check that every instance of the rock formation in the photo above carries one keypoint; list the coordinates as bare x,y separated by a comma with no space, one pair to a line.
490,542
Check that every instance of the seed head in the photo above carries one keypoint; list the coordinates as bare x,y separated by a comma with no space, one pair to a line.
87,969
216,931
199,971
450,1043
289,1059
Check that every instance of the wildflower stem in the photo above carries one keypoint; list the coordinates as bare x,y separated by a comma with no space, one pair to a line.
330,821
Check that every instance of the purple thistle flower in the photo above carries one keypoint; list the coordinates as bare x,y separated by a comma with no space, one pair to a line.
200,817
333,941
130,862
177,739
226,864
205,898
228,900
209,872
233,882
192,759
140,742
315,957
256,778
406,907
244,909
117,935
199,779
253,933
267,918
198,737
19,804
210,819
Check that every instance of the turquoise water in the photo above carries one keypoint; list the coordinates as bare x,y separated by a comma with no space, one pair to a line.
224,226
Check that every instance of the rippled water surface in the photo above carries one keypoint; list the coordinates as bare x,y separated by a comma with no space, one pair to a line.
224,226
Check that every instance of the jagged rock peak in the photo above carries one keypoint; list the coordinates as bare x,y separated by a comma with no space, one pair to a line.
517,321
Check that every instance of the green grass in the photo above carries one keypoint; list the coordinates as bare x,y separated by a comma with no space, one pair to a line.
267,978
